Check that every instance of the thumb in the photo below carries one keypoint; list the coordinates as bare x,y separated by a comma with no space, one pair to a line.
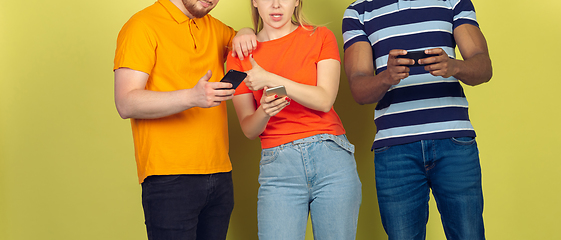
207,76
253,62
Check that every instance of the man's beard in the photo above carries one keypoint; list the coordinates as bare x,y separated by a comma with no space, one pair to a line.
192,9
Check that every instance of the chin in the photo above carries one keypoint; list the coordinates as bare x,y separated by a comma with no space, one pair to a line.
199,13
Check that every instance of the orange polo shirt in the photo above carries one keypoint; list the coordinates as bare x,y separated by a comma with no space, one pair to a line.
295,57
176,52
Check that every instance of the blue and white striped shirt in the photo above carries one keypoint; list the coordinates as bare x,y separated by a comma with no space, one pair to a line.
421,106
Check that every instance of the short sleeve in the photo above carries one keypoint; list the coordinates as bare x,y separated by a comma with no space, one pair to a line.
136,46
235,63
228,34
329,49
353,26
464,13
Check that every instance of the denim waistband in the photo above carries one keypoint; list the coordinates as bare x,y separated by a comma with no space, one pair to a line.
340,140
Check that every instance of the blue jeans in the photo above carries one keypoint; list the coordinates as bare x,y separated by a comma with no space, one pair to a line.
188,206
315,175
406,173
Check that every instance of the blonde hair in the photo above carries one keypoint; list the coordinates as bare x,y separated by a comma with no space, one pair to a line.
297,18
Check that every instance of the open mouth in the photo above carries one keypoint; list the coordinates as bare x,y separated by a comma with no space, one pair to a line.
276,17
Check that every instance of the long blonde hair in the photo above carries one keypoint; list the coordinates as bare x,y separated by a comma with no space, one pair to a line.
297,18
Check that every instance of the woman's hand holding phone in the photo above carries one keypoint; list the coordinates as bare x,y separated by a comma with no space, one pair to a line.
273,103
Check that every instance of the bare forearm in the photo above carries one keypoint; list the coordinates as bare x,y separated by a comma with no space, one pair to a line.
476,67
366,86
312,97
319,97
134,101
368,89
476,70
145,104
255,124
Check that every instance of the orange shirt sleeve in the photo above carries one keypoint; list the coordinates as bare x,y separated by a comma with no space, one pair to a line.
136,46
229,34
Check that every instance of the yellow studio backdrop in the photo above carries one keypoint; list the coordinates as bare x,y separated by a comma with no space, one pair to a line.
67,168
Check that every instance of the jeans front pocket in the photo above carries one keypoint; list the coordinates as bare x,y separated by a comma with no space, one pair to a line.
463,141
381,149
268,155
333,145
338,143
160,179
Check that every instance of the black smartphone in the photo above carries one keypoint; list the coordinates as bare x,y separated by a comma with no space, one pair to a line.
234,77
416,55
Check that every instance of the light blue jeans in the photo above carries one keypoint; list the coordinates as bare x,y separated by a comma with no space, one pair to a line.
315,175
405,174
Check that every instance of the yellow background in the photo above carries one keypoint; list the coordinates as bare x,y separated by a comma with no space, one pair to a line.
67,167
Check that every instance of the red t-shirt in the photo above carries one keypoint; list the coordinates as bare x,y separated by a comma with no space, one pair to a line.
295,57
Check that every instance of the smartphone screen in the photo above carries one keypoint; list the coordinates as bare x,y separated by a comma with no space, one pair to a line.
234,77
416,55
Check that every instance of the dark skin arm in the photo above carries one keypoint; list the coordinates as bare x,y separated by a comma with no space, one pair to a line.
368,88
476,67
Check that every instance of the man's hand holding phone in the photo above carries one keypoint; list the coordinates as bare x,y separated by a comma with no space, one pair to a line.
396,68
440,65
210,94
435,61
234,77
419,58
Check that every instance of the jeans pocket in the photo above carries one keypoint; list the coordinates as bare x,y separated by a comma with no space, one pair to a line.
339,143
381,149
333,146
268,155
160,179
463,141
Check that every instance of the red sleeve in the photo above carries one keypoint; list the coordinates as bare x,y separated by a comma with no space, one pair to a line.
329,48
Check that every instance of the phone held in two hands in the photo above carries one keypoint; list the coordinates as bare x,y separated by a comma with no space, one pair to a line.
416,55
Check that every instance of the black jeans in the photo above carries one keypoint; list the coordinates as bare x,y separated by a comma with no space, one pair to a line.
188,206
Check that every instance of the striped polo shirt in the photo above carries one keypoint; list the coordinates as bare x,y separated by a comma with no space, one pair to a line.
421,106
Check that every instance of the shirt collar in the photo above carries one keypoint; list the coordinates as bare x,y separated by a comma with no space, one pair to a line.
177,14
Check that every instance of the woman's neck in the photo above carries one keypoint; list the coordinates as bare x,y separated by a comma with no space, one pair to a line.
268,33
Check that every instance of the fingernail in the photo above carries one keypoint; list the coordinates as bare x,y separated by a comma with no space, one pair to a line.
276,96
287,99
